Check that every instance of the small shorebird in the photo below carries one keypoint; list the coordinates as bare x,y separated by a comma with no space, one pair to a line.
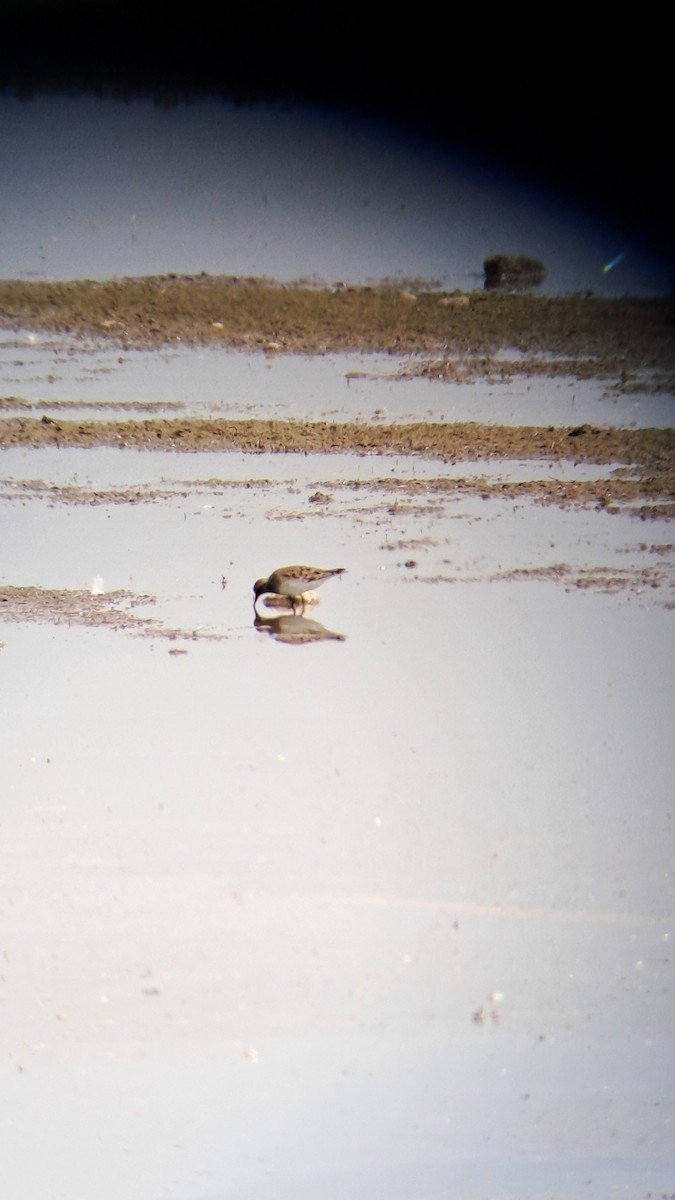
293,581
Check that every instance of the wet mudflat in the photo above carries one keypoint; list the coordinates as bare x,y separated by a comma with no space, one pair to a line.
373,898
581,335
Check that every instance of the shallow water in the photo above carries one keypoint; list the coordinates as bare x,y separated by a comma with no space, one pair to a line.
49,371
385,913
387,916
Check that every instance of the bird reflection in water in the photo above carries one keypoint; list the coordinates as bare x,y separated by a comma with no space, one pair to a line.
295,629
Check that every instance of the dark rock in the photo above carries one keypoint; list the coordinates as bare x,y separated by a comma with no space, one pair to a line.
513,271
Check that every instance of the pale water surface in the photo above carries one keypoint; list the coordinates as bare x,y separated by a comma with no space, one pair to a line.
388,916
98,188
58,373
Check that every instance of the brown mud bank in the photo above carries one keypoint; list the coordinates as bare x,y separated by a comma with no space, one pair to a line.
606,337
67,607
644,458
457,441
111,610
